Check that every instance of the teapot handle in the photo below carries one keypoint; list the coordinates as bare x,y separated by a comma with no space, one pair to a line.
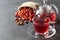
55,7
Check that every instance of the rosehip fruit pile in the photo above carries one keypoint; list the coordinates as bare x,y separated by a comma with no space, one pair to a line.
24,15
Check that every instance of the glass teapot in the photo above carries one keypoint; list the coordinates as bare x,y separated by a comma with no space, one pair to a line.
44,23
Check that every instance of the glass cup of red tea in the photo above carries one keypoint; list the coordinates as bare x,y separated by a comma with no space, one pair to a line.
42,27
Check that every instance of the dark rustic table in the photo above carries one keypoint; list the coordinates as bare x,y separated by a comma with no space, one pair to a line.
9,30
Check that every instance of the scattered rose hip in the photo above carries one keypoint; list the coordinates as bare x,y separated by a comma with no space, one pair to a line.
24,15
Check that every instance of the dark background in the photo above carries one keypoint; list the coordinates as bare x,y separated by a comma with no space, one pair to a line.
9,30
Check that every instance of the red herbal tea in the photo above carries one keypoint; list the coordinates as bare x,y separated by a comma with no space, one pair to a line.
40,25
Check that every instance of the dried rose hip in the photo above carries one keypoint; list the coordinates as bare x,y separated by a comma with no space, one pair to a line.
25,14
